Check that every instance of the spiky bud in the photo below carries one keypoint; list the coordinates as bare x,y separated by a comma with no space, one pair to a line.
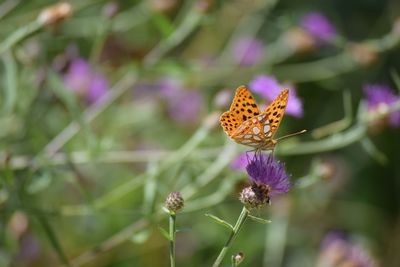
174,202
255,196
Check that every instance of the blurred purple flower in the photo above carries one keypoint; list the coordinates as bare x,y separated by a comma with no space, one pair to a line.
183,105
170,87
338,250
332,238
29,248
248,51
378,95
316,24
97,88
186,106
265,170
269,88
85,81
240,162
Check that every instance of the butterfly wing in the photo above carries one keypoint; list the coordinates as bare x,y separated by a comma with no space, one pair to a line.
258,132
254,132
276,109
242,108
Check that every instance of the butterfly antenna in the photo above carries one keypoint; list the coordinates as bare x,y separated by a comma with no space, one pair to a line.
290,135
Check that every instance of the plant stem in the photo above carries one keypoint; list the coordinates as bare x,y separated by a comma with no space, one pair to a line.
172,233
239,223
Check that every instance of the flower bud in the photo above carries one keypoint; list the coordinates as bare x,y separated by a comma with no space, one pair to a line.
363,54
299,40
237,258
55,14
255,196
174,202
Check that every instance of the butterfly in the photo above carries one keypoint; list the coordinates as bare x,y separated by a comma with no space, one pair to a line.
246,125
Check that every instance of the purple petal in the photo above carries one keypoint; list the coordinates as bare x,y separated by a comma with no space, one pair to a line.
82,79
248,51
378,94
240,162
269,88
186,107
318,26
266,170
78,76
266,86
98,87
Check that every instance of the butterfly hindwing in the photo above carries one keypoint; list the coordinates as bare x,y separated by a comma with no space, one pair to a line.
254,132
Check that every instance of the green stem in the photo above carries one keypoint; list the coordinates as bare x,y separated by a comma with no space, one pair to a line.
19,35
172,234
239,223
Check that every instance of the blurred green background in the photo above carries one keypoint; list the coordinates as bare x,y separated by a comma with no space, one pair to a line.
107,106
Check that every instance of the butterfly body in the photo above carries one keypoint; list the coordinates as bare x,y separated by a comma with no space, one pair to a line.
244,123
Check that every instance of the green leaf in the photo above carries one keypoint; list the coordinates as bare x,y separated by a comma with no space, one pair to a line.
39,182
164,233
259,220
373,151
186,229
220,221
51,235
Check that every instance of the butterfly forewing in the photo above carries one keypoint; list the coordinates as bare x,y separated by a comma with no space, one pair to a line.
276,109
242,108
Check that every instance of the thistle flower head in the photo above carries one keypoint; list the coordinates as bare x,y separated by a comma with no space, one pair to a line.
268,178
317,25
174,202
82,79
338,250
248,51
265,170
255,196
381,97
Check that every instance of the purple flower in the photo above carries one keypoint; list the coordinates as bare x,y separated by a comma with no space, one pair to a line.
240,162
170,87
338,250
186,106
318,26
183,105
76,78
382,95
269,88
85,81
97,88
265,170
248,51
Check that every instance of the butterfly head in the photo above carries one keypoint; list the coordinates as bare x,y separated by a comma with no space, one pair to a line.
270,145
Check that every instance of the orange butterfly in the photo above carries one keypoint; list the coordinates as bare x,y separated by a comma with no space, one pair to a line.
247,126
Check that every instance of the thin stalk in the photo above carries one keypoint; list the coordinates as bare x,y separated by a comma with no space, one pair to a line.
18,35
239,223
172,234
